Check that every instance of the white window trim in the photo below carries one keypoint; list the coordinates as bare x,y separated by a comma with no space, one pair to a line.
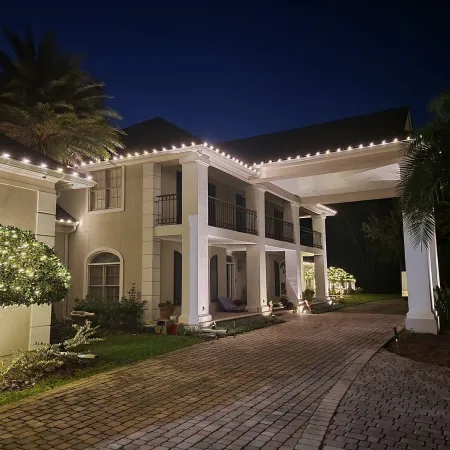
86,268
109,210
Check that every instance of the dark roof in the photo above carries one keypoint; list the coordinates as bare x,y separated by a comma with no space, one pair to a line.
156,133
18,151
62,214
374,127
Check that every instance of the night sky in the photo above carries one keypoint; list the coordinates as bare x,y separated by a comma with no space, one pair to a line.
228,70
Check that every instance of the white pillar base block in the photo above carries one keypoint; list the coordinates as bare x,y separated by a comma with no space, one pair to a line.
422,323
195,319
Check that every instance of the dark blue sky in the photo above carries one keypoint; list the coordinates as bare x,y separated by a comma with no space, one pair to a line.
230,70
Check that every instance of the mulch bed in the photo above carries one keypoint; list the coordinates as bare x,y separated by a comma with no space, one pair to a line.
427,348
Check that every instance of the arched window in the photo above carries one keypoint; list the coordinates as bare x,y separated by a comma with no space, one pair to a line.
104,275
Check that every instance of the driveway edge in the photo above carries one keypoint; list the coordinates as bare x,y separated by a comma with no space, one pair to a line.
317,426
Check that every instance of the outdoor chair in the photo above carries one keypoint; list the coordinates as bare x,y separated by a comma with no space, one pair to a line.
229,306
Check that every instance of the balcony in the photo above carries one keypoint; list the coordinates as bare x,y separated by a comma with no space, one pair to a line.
168,209
226,215
221,214
279,229
310,238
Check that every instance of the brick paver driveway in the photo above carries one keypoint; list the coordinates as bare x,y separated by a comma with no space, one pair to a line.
271,388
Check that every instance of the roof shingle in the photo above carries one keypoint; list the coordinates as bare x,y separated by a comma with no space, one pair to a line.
389,124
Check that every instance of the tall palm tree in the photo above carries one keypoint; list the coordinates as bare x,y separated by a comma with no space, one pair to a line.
425,173
49,103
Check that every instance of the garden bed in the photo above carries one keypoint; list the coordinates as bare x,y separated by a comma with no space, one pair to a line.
427,348
115,351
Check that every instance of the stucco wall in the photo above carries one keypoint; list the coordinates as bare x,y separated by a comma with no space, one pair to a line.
119,230
17,208
58,308
167,275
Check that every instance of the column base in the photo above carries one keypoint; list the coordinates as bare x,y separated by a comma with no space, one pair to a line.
263,309
194,320
422,323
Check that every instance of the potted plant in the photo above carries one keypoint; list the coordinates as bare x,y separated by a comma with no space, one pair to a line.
166,310
308,295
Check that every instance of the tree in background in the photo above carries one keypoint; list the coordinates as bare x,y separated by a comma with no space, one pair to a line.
49,103
30,271
425,173
385,236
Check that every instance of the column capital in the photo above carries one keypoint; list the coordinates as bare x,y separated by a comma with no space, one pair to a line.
195,158
294,203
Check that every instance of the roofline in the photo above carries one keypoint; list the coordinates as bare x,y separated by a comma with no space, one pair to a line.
309,156
25,168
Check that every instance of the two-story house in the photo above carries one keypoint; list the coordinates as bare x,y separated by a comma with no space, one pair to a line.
188,221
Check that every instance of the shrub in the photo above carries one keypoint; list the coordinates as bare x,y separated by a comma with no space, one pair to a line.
114,313
30,271
442,304
26,368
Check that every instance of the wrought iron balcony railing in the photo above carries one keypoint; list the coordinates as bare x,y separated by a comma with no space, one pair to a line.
226,215
221,214
279,229
168,209
310,238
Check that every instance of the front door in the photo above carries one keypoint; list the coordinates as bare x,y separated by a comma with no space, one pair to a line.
177,273
240,213
276,269
213,279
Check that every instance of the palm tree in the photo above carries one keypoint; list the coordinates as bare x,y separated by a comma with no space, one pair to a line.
425,172
50,104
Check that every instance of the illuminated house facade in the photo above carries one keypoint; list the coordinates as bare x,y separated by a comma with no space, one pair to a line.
189,221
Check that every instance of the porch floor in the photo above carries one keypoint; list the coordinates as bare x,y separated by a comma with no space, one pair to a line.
223,316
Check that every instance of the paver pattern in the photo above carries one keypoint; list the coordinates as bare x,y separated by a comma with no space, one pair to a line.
394,403
257,390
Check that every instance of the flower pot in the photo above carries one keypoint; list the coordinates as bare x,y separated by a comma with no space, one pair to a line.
165,313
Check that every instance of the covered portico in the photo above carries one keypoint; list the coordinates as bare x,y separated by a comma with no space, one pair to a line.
356,173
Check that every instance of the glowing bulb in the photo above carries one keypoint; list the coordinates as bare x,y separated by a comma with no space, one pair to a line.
6,155
44,166
25,160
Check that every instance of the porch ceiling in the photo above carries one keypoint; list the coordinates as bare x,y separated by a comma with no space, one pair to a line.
349,175
344,182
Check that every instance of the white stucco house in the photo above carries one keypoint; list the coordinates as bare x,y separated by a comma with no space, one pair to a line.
29,186
188,221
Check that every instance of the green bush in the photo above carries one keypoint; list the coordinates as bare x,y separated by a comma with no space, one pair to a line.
114,313
26,368
30,271
442,304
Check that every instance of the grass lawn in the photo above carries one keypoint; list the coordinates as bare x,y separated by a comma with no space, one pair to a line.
115,351
358,299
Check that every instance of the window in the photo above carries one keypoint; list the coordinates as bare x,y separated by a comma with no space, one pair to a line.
104,276
107,193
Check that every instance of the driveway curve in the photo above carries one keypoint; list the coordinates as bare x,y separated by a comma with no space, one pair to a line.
275,388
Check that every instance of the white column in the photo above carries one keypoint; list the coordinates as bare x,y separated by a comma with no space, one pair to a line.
294,260
151,247
320,260
41,315
256,254
195,266
434,262
421,316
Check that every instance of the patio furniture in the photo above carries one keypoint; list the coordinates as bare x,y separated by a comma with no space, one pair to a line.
228,305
